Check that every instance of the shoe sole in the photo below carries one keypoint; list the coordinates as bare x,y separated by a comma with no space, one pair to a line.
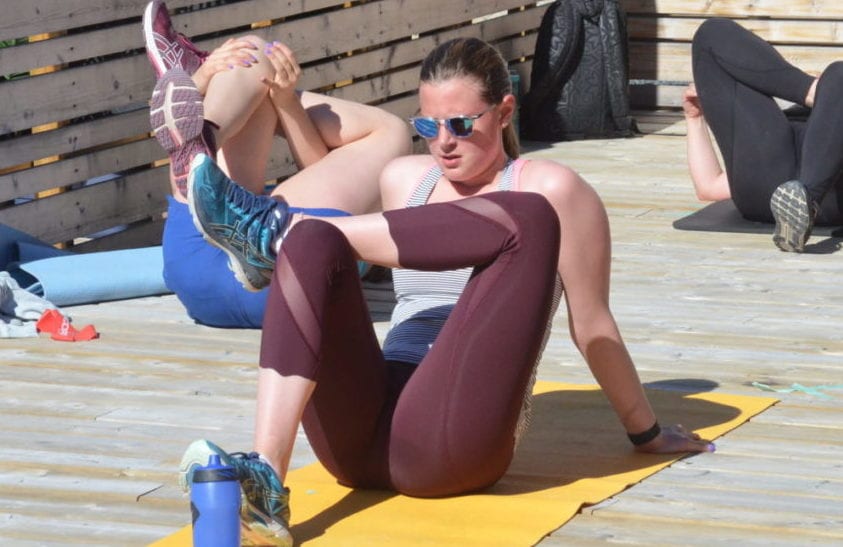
152,52
278,538
789,205
274,533
233,259
176,112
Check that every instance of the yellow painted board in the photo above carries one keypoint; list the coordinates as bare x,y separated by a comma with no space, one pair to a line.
574,454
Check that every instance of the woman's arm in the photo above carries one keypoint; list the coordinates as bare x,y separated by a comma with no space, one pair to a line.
306,144
710,182
584,266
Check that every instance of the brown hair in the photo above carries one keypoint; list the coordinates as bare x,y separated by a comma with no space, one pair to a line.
474,58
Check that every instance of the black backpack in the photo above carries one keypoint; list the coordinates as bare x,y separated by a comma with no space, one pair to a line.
579,85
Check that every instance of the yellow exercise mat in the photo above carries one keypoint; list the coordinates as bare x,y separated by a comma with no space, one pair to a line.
575,453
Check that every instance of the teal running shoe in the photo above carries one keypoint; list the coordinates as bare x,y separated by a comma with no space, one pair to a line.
242,224
267,507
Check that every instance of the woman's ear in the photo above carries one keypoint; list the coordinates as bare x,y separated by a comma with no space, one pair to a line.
507,109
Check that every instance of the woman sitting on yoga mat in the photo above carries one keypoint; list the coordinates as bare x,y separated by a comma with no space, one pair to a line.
474,235
787,171
246,88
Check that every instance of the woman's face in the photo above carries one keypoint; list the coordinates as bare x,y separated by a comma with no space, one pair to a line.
469,160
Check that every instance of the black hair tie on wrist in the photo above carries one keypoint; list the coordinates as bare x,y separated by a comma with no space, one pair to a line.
645,436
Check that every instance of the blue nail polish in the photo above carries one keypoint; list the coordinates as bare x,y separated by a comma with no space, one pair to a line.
711,447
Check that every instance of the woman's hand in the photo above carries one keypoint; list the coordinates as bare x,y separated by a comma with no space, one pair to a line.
282,88
676,438
233,53
691,102
812,92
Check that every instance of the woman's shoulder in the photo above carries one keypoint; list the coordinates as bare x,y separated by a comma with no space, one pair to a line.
401,176
562,186
406,170
545,175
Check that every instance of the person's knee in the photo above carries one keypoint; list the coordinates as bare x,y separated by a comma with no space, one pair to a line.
263,65
310,239
712,31
434,478
398,133
832,77
528,215
255,40
535,214
526,212
315,230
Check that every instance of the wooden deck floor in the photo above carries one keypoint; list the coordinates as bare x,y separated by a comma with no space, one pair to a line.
92,432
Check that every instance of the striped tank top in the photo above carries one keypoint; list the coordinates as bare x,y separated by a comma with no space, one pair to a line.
425,299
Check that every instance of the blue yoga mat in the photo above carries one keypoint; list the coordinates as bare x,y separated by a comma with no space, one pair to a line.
67,279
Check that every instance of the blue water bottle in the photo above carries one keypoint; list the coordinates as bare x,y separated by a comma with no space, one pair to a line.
215,505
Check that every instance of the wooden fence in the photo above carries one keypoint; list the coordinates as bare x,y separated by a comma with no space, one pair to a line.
78,166
807,32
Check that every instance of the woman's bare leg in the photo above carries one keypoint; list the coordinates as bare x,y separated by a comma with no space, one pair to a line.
280,405
245,155
362,139
237,102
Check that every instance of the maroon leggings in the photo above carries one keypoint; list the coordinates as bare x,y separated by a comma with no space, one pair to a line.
447,426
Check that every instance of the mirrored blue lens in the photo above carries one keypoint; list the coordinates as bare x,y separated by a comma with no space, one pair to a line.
460,126
426,127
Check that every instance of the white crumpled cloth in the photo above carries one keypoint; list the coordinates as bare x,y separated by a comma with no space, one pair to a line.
19,309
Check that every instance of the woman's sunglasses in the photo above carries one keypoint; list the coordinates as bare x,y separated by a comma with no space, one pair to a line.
458,126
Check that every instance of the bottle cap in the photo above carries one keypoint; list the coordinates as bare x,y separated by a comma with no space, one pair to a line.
215,471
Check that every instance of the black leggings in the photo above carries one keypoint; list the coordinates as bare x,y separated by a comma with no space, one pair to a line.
446,426
737,75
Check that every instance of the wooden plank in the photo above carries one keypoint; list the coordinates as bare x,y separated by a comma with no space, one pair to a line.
696,309
370,24
813,9
819,31
406,81
73,138
671,61
44,16
85,90
79,169
126,37
125,82
143,234
414,51
70,48
91,209
662,122
645,530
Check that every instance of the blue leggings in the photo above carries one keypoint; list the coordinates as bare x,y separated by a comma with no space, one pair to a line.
198,274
